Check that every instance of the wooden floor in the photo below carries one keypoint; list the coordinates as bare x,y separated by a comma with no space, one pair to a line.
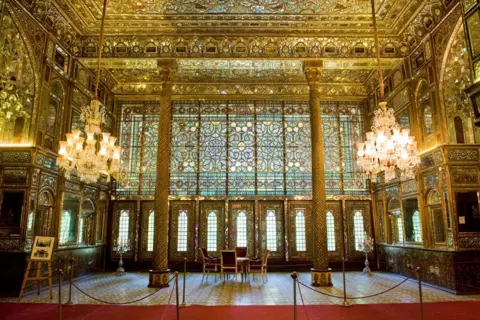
277,291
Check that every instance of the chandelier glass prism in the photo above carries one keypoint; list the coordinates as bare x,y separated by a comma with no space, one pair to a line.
388,147
94,152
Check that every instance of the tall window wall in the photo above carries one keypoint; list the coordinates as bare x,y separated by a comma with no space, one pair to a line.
240,148
342,127
138,139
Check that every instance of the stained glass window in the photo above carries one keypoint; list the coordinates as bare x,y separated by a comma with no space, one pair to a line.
65,226
240,148
271,230
417,227
123,228
151,230
212,231
358,229
330,231
138,141
342,128
241,229
300,237
182,233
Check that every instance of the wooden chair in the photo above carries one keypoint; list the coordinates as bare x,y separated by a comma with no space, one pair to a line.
209,263
242,252
228,263
260,266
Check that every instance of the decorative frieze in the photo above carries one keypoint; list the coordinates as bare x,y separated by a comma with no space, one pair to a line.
409,186
16,157
468,175
15,177
463,155
469,241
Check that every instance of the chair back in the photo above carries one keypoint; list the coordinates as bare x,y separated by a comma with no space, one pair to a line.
202,253
242,252
228,258
265,257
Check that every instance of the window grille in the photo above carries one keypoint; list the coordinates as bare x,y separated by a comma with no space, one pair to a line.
123,226
358,228
212,231
150,232
400,229
300,235
241,229
271,230
330,231
65,226
417,226
182,231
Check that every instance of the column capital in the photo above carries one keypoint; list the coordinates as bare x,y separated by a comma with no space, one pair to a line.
312,70
166,69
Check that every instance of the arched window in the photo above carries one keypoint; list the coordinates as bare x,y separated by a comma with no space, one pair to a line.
426,108
330,231
300,236
81,230
123,227
150,231
457,121
241,229
212,231
65,226
417,227
358,228
182,231
271,230
399,229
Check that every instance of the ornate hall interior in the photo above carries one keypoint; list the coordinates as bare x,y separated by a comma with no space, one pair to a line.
146,137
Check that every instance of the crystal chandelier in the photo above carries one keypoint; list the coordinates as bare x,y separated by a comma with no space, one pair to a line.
388,147
97,153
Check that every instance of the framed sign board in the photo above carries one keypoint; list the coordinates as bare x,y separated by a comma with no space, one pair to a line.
42,248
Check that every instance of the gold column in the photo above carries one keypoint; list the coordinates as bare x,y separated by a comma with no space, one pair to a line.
159,275
321,275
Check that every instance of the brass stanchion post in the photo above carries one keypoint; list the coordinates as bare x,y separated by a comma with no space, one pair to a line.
176,292
184,304
60,278
294,277
419,277
345,302
70,302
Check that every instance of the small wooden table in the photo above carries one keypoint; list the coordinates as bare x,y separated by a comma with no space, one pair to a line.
244,261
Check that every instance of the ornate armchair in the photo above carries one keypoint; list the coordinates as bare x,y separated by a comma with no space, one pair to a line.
242,252
209,263
228,262
259,266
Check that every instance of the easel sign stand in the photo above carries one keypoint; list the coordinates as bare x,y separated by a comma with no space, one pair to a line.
42,251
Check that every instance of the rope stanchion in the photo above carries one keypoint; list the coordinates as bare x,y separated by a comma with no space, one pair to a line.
70,302
60,278
419,277
355,298
294,277
176,293
303,302
345,302
119,303
168,303
184,304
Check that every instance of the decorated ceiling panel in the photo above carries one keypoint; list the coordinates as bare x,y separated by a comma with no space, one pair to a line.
232,16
